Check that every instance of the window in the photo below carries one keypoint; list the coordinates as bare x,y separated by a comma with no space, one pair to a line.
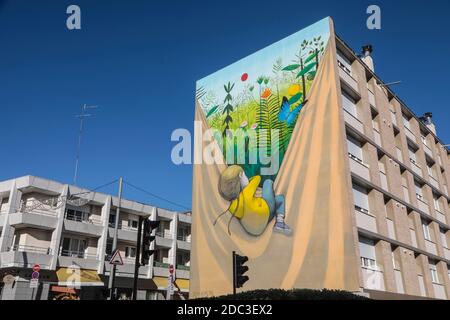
361,198
443,238
73,247
412,155
424,139
349,104
109,244
112,219
434,273
436,202
76,215
133,224
344,62
418,187
367,253
426,230
406,121
355,148
130,252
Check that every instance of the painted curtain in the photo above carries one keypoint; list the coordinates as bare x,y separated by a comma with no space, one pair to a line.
314,179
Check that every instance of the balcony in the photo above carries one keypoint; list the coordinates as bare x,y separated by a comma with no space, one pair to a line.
440,216
410,134
439,291
83,225
353,121
183,245
399,154
384,182
182,271
161,269
372,98
127,269
365,220
430,247
406,194
163,241
69,258
434,182
427,150
358,167
422,204
373,277
391,228
415,167
35,219
23,256
447,253
394,117
124,233
348,79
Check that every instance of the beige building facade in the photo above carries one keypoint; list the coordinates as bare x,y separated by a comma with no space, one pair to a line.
65,229
400,171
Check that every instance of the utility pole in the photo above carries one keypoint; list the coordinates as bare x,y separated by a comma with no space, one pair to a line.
112,273
137,263
81,116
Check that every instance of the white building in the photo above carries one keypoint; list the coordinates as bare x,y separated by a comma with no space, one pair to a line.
67,230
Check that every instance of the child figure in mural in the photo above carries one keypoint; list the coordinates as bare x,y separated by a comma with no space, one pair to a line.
253,211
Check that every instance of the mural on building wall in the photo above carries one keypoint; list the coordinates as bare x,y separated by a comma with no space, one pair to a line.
264,94
293,220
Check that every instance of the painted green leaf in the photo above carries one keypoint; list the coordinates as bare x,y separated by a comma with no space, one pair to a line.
311,75
292,67
295,98
306,69
212,111
310,57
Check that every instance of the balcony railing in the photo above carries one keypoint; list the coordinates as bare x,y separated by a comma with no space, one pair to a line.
183,267
30,249
84,218
161,264
184,238
164,234
77,254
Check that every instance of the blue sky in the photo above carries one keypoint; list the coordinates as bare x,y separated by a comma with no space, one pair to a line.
139,61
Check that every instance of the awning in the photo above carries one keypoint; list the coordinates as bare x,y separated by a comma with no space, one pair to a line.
162,283
75,277
62,289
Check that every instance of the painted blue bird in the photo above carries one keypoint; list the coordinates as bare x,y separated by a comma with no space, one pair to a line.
286,114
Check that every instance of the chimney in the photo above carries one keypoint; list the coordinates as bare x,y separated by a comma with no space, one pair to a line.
427,119
367,56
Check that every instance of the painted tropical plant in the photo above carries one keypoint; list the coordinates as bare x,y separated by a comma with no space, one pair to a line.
265,102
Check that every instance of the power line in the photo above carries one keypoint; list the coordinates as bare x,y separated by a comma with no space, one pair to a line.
156,196
97,188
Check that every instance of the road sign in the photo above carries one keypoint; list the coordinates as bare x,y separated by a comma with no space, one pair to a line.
171,269
9,279
36,268
35,275
116,259
34,283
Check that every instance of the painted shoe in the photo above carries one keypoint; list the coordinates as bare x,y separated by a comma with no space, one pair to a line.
283,228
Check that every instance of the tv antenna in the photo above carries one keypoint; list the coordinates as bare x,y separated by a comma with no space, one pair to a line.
81,116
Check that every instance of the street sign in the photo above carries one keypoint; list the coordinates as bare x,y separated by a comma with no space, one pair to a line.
36,268
116,259
171,269
34,283
35,275
9,279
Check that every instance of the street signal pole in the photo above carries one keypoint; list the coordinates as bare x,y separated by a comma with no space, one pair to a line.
146,242
112,273
238,271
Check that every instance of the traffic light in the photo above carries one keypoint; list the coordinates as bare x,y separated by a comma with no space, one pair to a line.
147,240
239,269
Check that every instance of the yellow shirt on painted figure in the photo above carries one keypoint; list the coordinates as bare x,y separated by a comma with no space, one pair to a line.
253,212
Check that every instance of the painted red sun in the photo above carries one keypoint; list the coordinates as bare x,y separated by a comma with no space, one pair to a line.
244,77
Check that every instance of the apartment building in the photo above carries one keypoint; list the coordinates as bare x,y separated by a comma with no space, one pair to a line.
68,231
363,182
400,172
